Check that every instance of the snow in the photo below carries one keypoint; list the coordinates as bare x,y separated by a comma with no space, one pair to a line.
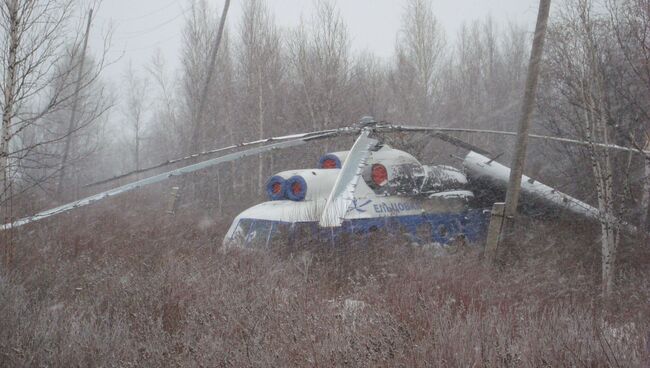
453,194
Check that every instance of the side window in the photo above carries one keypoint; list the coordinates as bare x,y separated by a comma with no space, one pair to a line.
259,233
280,234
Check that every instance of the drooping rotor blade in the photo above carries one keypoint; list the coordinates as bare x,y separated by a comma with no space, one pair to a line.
342,193
534,136
440,135
173,173
479,166
211,152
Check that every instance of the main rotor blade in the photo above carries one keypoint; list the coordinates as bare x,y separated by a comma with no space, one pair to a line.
534,136
211,152
479,166
442,136
177,172
342,193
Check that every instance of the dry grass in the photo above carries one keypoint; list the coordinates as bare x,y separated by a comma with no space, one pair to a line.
129,290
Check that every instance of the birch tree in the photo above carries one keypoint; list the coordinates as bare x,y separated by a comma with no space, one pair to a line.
369,80
320,56
630,24
31,47
167,131
135,106
40,66
578,62
261,72
420,47
36,80
40,148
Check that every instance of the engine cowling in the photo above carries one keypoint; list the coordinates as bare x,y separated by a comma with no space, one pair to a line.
332,160
394,172
307,184
442,178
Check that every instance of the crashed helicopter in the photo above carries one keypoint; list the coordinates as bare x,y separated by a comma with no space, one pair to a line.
370,187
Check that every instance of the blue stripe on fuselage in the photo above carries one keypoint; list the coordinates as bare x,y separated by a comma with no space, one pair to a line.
439,227
425,228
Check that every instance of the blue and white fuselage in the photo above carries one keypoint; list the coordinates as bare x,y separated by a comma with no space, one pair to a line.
435,216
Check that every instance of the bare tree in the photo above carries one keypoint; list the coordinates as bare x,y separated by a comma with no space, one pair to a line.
369,80
261,69
579,61
135,106
31,46
166,130
420,47
39,67
630,24
37,80
75,103
41,147
321,66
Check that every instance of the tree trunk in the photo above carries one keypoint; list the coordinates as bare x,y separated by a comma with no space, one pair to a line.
596,129
137,147
7,115
260,108
9,95
75,104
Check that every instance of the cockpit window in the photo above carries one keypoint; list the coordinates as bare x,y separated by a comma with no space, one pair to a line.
259,234
280,233
253,233
240,233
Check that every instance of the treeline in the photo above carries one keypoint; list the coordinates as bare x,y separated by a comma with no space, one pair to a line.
271,81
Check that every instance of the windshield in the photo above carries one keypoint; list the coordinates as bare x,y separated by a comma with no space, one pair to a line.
253,233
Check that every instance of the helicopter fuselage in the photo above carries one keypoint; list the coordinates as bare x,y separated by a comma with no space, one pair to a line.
435,217
412,219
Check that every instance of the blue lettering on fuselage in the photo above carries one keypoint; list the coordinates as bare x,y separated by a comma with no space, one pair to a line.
384,207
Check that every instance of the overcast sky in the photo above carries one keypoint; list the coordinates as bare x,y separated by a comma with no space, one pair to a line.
143,26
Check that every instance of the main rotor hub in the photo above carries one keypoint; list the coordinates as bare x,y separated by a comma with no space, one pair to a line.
367,121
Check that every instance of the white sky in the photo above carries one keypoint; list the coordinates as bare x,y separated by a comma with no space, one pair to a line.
141,27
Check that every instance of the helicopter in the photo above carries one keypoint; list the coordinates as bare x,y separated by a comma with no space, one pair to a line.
375,186
388,190
370,187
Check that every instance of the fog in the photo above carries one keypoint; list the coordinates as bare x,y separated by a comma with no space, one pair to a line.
145,27
322,183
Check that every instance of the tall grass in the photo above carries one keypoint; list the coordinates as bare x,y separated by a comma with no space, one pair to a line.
115,289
